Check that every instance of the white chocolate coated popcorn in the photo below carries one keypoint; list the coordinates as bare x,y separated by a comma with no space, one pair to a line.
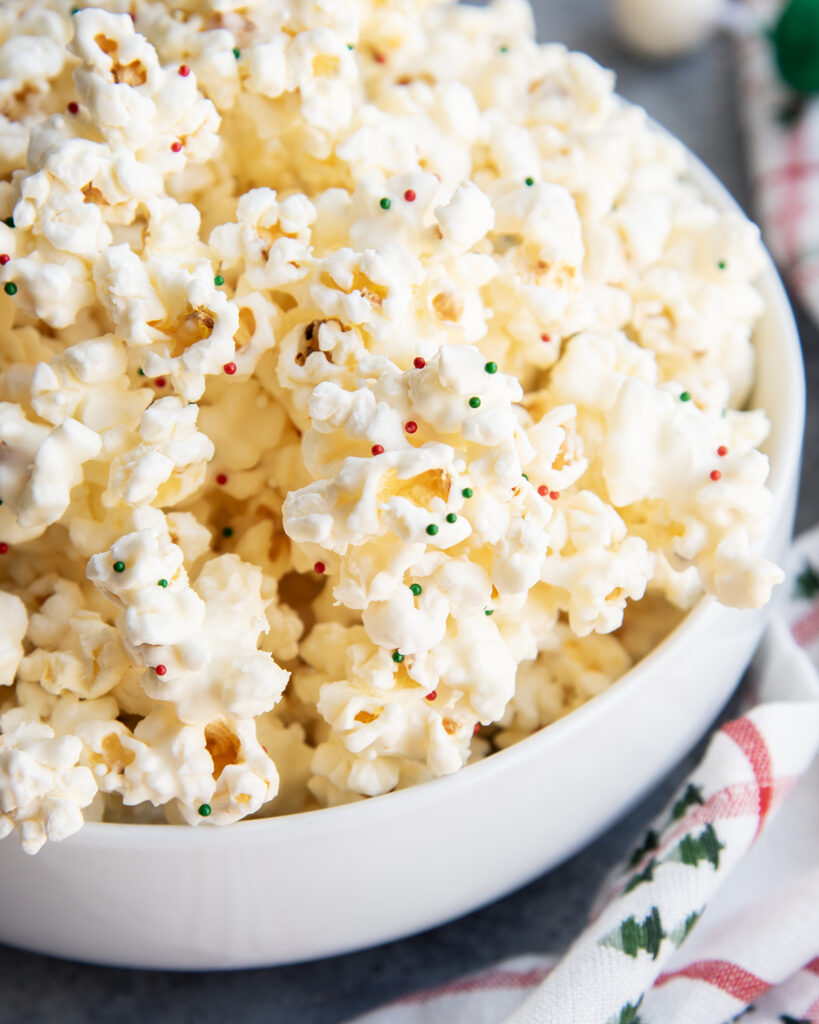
370,375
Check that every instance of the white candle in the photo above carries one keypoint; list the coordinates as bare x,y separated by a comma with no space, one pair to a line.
665,28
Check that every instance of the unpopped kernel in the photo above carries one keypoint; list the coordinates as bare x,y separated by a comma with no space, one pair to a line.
371,377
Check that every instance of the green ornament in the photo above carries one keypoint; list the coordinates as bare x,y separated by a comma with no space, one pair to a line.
205,810
685,396
451,517
162,583
474,403
397,658
416,589
491,367
796,42
467,492
119,566
807,582
10,288
237,53
227,531
385,203
432,529
218,280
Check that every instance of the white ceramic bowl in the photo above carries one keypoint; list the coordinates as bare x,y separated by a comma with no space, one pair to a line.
331,881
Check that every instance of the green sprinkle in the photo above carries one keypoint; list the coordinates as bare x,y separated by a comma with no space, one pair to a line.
9,222
474,403
205,810
451,518
432,529
722,264
237,53
350,46
416,589
397,658
467,492
218,280
227,531
119,566
385,203
525,477
488,611
491,367
530,181
141,372
503,49
10,288
162,583
685,396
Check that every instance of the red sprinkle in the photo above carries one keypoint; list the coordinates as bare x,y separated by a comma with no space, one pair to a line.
377,449
410,426
545,337
722,450
73,108
380,58
419,363
431,696
221,478
160,382
475,730
229,368
554,495
543,490
716,475
320,568
176,147
160,670
3,548
410,195
4,259
184,70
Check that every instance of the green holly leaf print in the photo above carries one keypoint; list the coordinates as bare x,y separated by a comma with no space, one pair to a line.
681,932
628,1015
651,842
691,850
632,936
691,796
646,875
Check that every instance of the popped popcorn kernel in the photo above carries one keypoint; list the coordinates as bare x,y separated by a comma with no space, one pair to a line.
363,383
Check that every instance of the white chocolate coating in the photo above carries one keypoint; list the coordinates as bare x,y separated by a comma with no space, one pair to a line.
368,374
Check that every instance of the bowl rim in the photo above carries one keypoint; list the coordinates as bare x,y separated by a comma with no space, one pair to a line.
784,473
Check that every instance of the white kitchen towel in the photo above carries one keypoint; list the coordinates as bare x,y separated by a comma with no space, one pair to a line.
782,129
716,910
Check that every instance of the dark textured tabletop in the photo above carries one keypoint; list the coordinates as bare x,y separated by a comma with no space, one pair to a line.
697,100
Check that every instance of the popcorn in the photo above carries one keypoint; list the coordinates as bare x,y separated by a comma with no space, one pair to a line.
370,374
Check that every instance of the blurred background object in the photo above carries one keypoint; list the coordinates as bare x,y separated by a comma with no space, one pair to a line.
661,29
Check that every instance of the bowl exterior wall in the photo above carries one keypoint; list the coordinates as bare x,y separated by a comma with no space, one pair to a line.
284,890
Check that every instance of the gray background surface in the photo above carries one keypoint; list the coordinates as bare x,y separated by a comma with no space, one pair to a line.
696,99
